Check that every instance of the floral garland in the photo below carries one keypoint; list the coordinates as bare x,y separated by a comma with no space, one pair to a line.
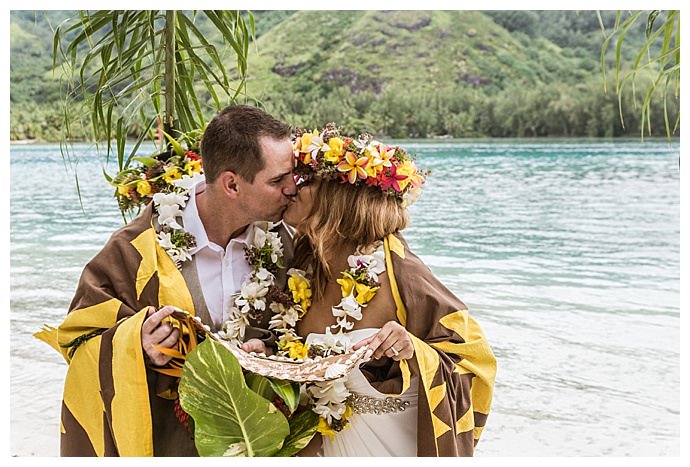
265,256
137,185
357,161
358,286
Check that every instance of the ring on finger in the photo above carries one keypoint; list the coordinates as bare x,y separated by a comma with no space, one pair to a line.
395,352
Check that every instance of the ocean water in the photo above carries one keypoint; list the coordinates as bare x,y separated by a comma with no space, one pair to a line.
567,252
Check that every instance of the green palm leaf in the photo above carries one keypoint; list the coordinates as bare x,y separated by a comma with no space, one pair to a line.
137,67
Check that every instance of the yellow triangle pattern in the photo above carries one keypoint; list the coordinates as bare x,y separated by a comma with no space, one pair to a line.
147,268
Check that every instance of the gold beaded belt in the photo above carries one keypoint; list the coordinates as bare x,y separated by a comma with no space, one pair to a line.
367,404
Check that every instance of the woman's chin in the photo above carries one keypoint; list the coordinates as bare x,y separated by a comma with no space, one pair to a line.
289,218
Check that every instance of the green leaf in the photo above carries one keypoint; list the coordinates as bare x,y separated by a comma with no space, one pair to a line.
302,429
287,391
230,419
147,161
177,147
260,385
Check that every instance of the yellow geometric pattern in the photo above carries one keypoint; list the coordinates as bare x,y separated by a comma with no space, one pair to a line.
82,394
131,412
172,289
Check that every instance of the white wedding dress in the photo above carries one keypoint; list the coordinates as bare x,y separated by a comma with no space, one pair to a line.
388,433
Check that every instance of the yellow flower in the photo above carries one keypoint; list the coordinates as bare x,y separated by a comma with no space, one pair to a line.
191,167
301,293
304,145
347,283
143,187
296,349
334,151
364,293
123,190
305,140
371,169
325,429
171,174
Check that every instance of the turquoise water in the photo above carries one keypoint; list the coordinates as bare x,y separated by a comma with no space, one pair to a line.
567,253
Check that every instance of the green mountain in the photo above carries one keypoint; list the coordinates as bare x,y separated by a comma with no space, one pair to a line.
394,73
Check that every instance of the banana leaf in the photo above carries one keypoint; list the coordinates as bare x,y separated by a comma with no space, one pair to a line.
229,418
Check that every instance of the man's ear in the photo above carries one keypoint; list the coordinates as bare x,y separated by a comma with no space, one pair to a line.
229,183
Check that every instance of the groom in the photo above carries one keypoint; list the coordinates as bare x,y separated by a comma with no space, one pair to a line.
115,403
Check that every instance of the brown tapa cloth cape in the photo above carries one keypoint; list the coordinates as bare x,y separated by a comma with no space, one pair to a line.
453,359
114,404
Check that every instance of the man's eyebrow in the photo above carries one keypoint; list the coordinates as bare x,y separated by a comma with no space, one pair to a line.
278,177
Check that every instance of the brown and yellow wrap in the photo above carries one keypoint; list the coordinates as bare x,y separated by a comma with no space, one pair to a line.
453,359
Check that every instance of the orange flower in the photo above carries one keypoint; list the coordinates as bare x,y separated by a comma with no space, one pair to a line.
353,166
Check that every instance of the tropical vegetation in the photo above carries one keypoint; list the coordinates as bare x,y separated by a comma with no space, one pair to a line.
407,73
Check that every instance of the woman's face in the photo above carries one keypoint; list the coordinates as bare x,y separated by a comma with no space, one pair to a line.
300,207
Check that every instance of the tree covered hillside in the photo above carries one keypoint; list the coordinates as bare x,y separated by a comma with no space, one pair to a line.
394,73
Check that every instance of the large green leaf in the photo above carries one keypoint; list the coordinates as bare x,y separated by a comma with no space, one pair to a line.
302,429
230,419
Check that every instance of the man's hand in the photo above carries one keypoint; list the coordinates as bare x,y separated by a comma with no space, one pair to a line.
156,332
392,341
254,345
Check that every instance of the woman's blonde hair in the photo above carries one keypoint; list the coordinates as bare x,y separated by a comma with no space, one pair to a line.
344,213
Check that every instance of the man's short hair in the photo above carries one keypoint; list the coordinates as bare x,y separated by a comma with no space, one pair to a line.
231,141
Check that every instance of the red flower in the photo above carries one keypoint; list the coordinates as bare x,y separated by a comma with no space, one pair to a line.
192,156
393,179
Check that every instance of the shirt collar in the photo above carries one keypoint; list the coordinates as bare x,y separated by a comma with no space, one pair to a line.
192,223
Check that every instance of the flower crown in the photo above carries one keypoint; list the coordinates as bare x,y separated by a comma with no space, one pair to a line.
357,161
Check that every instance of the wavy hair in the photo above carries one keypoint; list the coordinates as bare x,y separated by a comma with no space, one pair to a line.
344,213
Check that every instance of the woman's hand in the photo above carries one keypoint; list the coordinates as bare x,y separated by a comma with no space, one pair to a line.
392,341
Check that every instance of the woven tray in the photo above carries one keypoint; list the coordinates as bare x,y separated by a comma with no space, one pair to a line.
283,368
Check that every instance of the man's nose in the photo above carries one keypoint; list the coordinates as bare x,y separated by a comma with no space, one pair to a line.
291,188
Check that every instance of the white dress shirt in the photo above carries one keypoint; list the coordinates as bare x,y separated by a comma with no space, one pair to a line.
221,270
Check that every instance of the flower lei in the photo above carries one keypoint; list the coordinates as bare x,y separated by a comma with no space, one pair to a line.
359,284
357,161
176,241
136,185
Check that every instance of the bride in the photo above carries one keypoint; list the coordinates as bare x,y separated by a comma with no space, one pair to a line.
427,389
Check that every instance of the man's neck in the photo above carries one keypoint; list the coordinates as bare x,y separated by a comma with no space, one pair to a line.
220,224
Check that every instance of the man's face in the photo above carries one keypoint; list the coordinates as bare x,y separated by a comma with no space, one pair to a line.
268,196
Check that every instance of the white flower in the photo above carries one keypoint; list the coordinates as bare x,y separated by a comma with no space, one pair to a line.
344,323
169,207
264,275
329,398
259,238
337,342
236,325
187,182
169,199
348,307
165,240
283,318
330,392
